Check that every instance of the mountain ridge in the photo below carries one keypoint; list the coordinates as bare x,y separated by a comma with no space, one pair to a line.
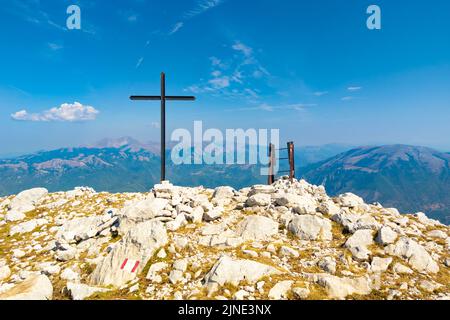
408,177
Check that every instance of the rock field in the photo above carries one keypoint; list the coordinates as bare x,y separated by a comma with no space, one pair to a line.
284,241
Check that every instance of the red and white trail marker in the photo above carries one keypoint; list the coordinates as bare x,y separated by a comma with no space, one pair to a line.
130,265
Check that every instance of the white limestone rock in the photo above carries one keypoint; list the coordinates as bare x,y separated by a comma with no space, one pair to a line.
422,217
339,288
233,271
49,268
309,227
26,200
213,214
415,254
328,208
139,244
288,252
258,200
261,188
140,211
36,287
399,268
437,234
328,264
349,200
79,291
257,228
300,203
69,275
386,236
353,222
27,226
177,223
5,272
14,215
380,264
280,290
358,242
301,293
223,192
155,269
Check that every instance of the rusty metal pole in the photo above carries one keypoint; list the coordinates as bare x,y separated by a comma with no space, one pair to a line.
291,161
271,177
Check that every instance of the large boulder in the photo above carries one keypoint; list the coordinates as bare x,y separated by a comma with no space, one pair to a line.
328,208
140,211
28,226
79,291
380,264
223,193
5,271
358,243
258,200
130,255
80,229
301,204
353,222
37,287
386,236
309,227
339,288
228,270
26,201
261,188
280,290
349,200
257,228
416,255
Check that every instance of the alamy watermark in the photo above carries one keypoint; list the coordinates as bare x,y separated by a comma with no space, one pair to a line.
73,22
374,20
236,146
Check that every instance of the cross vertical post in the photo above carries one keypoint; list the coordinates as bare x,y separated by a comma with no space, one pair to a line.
163,126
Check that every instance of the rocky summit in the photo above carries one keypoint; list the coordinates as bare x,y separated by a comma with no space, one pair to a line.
289,240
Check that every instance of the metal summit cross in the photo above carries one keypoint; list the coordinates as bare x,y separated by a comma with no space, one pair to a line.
163,99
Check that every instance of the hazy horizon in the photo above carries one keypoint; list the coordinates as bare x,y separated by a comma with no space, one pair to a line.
157,143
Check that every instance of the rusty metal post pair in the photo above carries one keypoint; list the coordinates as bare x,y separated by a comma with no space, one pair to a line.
272,161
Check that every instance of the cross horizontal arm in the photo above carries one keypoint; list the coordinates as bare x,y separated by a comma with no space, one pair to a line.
170,98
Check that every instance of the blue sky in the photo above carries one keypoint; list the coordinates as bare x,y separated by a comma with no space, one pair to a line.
310,68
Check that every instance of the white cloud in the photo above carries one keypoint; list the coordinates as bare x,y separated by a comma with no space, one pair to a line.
354,88
347,98
139,62
155,125
132,18
320,93
201,7
220,83
176,27
55,46
66,112
216,61
246,50
270,108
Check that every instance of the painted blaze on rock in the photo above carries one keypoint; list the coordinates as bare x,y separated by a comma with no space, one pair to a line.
138,245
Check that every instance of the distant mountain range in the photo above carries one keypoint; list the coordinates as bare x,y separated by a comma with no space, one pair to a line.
407,177
410,178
